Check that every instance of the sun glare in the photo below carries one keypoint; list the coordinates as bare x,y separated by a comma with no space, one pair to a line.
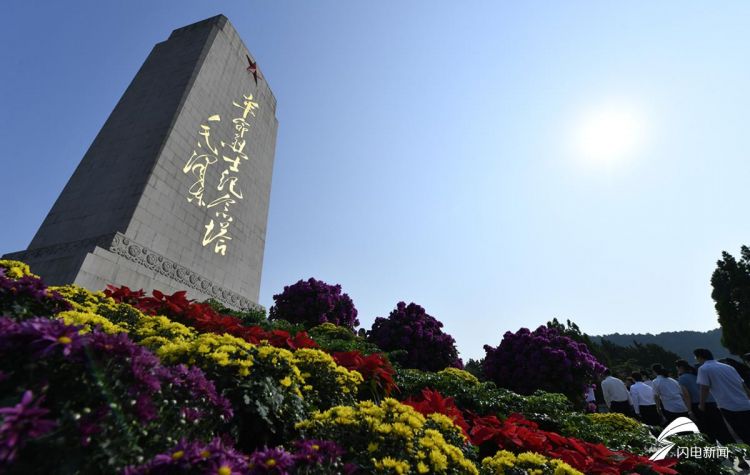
609,134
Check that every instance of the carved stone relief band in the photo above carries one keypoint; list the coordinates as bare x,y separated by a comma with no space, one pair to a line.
140,254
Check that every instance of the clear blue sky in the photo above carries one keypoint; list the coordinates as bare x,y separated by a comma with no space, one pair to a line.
424,151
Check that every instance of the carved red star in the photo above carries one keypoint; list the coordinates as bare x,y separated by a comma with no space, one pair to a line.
253,69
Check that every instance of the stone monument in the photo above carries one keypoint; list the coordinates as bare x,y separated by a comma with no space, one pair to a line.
173,193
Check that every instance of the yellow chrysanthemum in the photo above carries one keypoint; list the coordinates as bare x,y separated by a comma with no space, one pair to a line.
84,300
390,430
532,458
562,468
530,462
88,321
463,376
15,269
391,465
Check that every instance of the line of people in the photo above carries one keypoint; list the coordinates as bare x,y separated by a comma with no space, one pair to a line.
712,394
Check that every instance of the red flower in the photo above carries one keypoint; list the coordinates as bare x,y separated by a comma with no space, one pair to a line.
432,401
124,294
519,435
373,368
205,319
303,340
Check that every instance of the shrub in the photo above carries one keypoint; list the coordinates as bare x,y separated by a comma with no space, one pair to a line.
313,302
374,368
432,401
332,338
393,437
15,269
326,383
482,398
23,294
108,400
411,329
249,316
549,410
616,431
262,382
527,462
194,457
520,435
475,367
543,359
200,316
307,457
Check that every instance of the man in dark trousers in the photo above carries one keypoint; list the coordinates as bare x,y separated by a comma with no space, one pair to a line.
726,386
615,394
644,403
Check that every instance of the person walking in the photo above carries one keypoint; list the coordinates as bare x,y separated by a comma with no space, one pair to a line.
646,378
643,401
591,398
726,386
615,394
669,395
742,368
709,421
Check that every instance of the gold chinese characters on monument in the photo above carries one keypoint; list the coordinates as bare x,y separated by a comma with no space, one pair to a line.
213,153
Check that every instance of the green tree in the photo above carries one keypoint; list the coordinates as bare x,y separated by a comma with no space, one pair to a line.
637,356
620,359
731,292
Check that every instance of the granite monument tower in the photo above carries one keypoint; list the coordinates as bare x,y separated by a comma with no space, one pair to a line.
173,193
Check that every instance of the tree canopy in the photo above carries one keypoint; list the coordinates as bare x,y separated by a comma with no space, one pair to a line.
731,292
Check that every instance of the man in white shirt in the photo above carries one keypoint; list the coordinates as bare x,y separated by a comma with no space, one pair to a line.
615,394
643,401
726,386
668,393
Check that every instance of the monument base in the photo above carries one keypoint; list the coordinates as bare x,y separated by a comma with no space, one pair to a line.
118,260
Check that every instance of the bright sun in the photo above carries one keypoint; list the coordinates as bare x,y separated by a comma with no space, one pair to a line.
609,133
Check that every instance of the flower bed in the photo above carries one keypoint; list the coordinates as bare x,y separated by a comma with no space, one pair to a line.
118,382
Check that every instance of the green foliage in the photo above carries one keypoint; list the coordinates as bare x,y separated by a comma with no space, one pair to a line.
475,367
731,292
620,359
249,316
626,359
616,431
292,328
482,398
333,338
264,412
547,409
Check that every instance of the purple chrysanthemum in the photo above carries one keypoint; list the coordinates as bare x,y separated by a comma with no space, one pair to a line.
543,359
275,460
313,302
28,296
411,329
41,337
194,379
22,422
215,457
316,452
